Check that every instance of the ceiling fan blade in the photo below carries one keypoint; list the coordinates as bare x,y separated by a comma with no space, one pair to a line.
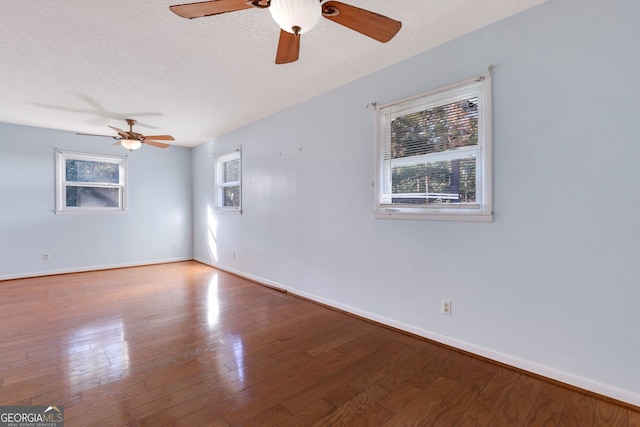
95,134
365,22
160,137
155,144
208,8
288,48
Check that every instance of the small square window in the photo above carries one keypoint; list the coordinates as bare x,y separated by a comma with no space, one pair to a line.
88,183
229,182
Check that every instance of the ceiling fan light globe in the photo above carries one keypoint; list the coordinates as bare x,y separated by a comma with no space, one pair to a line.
289,14
131,144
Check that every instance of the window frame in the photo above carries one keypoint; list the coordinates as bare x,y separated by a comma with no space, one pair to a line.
61,183
220,185
482,211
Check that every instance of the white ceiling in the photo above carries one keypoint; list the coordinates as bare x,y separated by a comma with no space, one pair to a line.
80,65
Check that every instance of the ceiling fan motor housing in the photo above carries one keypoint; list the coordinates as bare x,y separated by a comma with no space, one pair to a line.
296,16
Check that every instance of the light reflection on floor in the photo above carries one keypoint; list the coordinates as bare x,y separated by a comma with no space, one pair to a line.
99,356
100,353
238,353
233,342
213,303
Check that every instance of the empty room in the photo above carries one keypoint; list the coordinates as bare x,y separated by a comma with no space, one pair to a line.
320,213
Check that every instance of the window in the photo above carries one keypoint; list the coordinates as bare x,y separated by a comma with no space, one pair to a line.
228,182
433,154
90,183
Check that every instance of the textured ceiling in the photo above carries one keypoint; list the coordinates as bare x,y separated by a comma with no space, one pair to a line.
82,65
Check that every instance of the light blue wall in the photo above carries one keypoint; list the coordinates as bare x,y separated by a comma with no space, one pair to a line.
160,207
552,282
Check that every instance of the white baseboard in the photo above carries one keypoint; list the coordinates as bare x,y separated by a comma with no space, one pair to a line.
90,268
523,364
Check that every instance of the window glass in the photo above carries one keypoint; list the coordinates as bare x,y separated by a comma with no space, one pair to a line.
92,197
92,171
231,196
231,170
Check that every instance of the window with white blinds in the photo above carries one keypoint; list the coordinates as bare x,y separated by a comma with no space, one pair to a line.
433,153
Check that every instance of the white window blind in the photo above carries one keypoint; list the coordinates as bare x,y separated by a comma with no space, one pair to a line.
433,154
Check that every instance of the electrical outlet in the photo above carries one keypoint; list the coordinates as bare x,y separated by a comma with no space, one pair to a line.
173,247
446,307
45,256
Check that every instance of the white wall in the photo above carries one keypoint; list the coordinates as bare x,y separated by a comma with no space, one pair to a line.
160,207
551,285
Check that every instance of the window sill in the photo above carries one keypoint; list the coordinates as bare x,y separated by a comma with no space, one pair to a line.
436,216
229,211
90,212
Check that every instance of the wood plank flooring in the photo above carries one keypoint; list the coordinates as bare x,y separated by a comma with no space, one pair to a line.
186,345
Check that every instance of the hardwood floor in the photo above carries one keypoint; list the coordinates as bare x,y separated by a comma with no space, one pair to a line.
186,345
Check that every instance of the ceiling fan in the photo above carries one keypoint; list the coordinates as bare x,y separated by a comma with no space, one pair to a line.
296,17
132,140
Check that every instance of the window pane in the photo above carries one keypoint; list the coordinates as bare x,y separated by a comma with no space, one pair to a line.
449,181
92,171
93,197
231,171
435,130
231,196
